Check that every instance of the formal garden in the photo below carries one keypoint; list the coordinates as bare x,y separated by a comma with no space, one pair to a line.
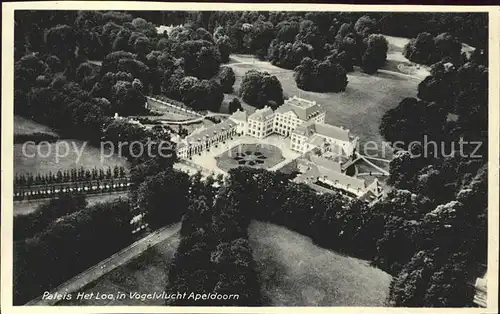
263,156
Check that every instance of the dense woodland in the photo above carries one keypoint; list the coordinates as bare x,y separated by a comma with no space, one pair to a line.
429,232
185,65
63,238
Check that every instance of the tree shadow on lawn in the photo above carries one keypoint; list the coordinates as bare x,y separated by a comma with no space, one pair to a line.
294,271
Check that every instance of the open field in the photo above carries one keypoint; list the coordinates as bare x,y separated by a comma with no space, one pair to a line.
43,158
360,108
293,271
24,126
60,155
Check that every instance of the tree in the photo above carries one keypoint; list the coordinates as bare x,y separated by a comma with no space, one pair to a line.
105,105
344,30
128,98
164,44
161,64
310,34
172,80
350,42
365,25
323,20
137,68
259,88
214,95
320,76
286,31
409,287
413,121
376,53
403,168
234,105
27,226
432,181
397,244
219,32
158,191
121,40
139,22
201,95
112,60
86,75
289,55
448,46
201,58
26,71
421,49
259,38
66,244
426,49
342,58
224,46
227,79
448,287
142,46
61,41
460,90
479,56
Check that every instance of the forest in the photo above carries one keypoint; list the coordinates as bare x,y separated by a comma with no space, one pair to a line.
429,232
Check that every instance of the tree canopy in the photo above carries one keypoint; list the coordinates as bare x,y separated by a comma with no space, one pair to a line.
320,76
260,89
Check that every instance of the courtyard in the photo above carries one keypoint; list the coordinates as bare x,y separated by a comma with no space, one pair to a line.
252,155
271,153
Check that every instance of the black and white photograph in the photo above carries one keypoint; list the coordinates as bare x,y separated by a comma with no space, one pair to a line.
250,157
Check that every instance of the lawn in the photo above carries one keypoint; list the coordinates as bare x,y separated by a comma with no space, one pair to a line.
24,126
43,158
360,108
293,271
253,155
147,273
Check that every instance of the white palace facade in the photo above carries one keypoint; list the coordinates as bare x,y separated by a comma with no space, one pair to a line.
300,120
325,151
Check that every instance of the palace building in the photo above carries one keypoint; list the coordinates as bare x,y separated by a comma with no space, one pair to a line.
326,151
203,139
300,120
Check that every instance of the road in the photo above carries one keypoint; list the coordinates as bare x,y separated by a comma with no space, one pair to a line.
93,273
